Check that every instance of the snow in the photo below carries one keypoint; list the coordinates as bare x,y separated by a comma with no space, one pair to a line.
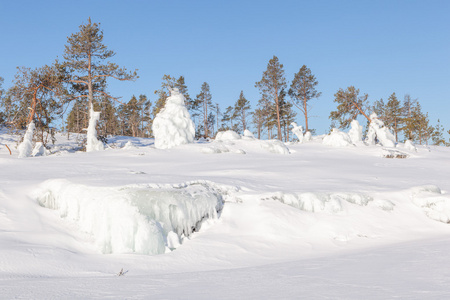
227,135
337,138
173,126
92,143
297,131
355,133
26,146
320,223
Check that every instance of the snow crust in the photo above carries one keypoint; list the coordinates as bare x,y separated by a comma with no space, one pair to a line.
138,219
337,138
173,126
26,146
92,143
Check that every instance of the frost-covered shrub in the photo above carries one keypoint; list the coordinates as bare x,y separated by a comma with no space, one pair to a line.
356,133
26,147
337,138
307,137
39,150
173,125
297,131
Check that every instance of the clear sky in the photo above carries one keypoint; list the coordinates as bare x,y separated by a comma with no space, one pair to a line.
380,47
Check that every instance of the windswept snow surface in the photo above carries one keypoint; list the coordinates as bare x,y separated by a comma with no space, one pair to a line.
318,223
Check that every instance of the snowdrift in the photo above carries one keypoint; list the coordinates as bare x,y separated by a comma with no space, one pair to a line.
142,219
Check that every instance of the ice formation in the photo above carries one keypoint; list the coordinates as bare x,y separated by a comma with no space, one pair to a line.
355,133
377,130
337,138
298,131
92,143
227,135
26,147
141,219
173,125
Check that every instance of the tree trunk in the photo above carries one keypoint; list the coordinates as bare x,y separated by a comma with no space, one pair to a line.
278,113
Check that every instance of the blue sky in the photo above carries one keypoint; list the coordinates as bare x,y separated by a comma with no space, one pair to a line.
380,47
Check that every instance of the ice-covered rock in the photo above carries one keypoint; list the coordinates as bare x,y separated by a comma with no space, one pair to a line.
337,138
297,131
26,146
92,143
377,130
356,133
173,125
228,135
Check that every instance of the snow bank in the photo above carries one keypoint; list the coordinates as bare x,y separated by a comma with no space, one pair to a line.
248,134
409,145
228,135
26,147
173,125
337,138
141,219
379,131
92,143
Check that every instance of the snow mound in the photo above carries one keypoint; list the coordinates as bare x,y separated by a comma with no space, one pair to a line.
228,135
409,145
337,138
129,145
173,125
248,134
275,146
139,219
435,204
307,137
320,202
39,150
26,147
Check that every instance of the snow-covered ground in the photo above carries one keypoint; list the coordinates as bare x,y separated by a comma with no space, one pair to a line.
227,219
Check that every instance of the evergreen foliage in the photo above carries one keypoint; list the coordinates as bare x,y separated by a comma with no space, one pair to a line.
351,105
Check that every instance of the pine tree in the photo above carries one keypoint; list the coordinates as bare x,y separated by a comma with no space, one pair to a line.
145,106
204,102
168,83
438,135
407,116
287,114
241,108
86,63
2,114
302,90
350,106
271,84
227,119
393,115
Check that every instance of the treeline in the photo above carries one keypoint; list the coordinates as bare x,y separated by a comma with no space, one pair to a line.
68,91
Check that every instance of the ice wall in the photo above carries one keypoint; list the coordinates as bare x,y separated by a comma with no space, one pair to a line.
132,218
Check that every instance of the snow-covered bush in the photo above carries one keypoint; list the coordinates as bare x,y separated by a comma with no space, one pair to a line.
92,143
355,133
26,147
409,145
227,135
39,150
378,130
173,125
307,137
248,134
337,138
297,131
